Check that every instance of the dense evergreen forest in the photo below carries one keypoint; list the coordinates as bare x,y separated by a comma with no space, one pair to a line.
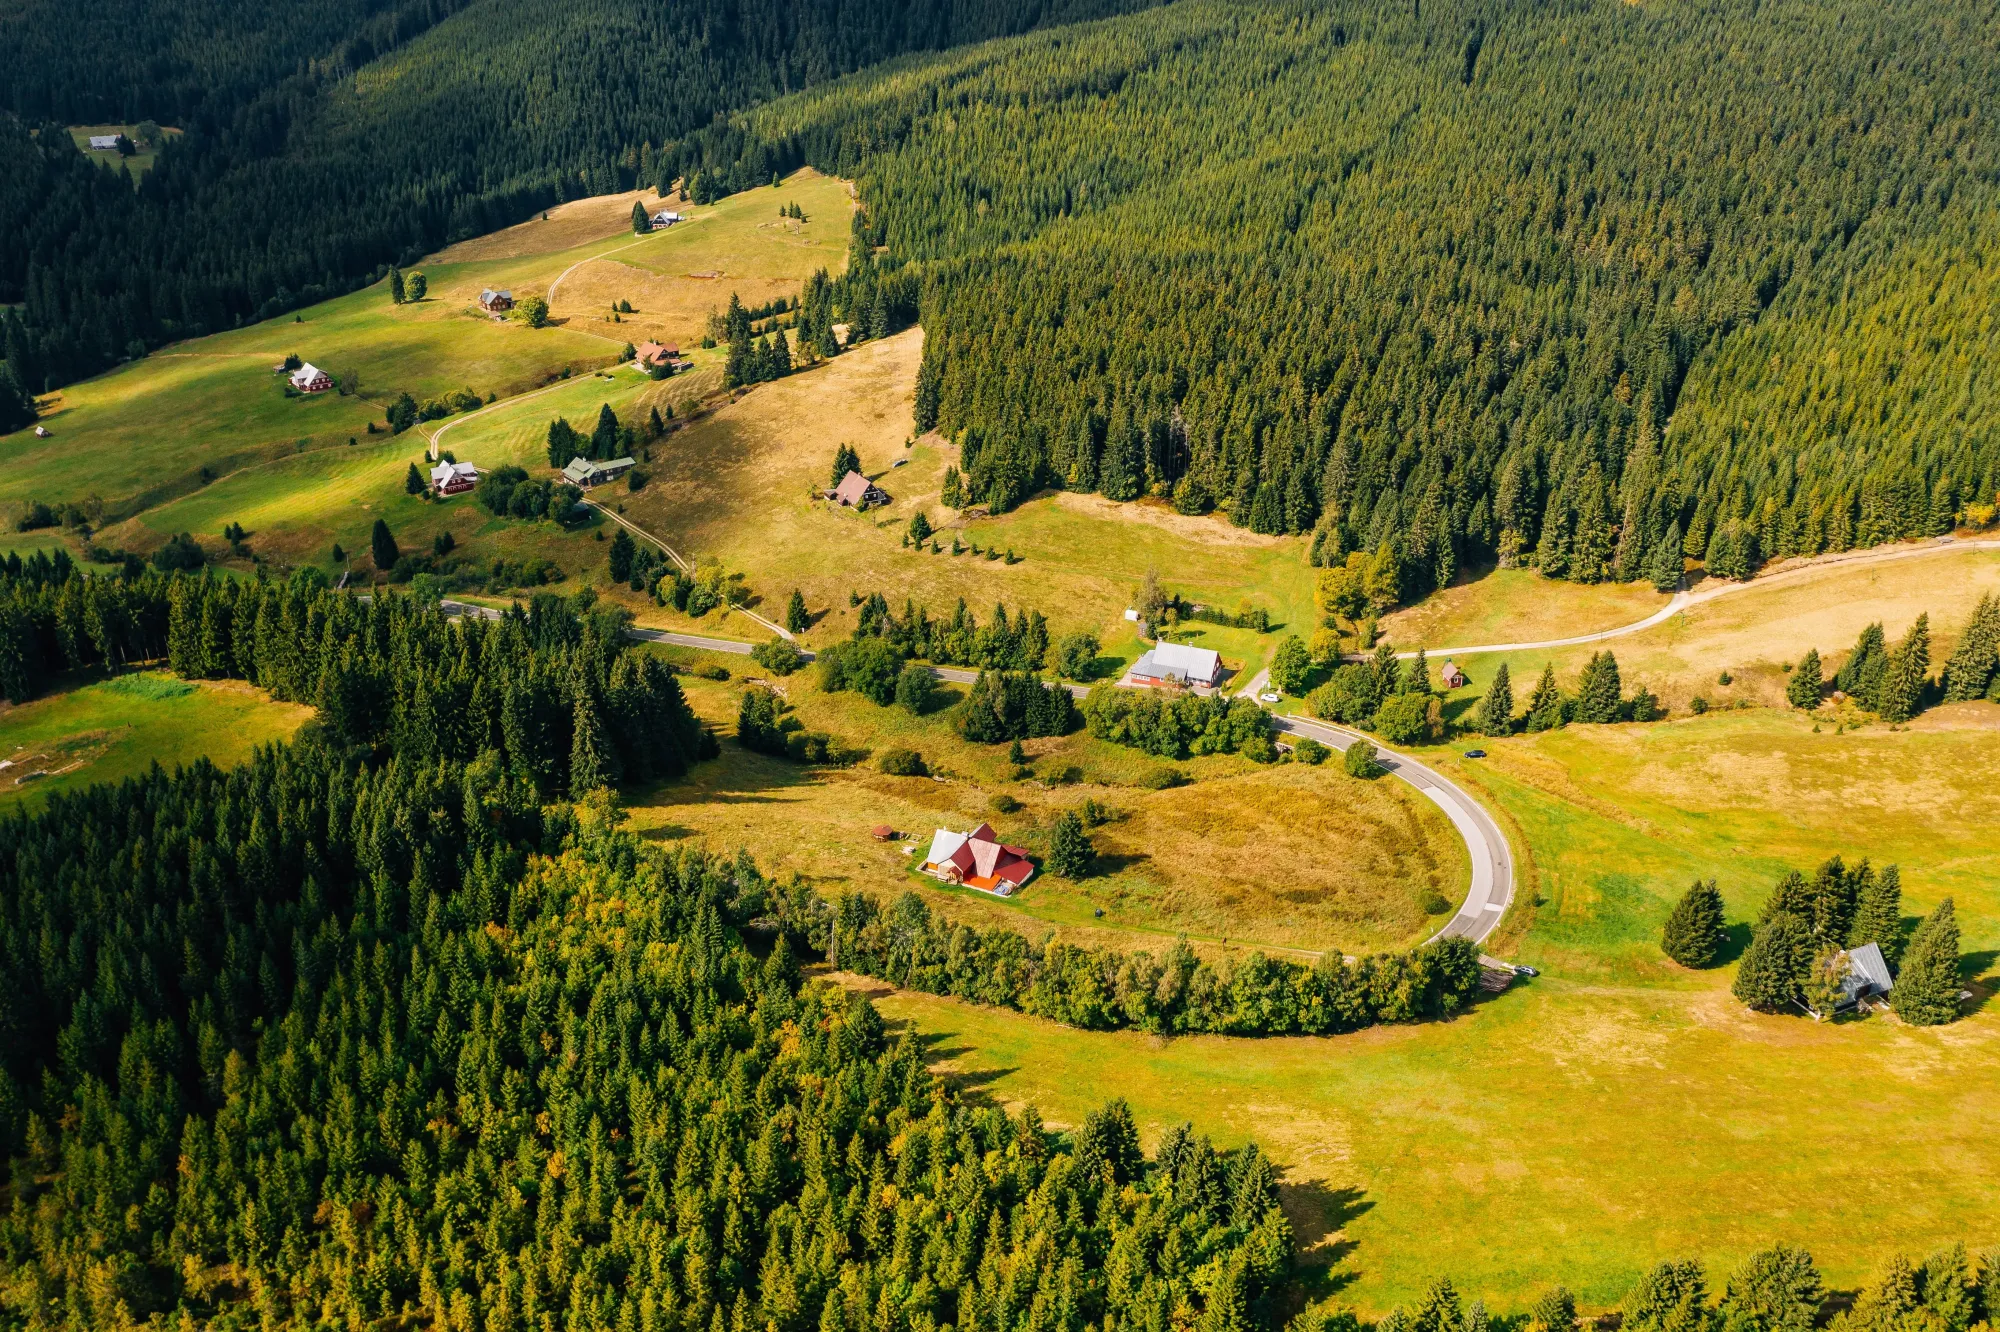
553,691
323,146
1576,283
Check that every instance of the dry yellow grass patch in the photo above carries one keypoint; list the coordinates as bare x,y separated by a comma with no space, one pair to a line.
562,227
1284,857
672,308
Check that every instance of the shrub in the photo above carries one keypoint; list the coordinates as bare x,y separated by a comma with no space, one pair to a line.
1003,803
1359,760
916,689
1697,705
1348,697
1163,779
1075,656
180,552
710,670
870,667
780,656
1291,666
1406,719
1308,750
900,762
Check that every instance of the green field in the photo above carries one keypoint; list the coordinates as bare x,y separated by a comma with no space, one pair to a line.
1619,1110
1280,857
116,728
139,163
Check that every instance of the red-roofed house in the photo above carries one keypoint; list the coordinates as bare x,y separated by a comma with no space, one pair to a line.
649,354
978,859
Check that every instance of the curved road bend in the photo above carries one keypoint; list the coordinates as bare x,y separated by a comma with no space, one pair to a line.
1492,889
1684,598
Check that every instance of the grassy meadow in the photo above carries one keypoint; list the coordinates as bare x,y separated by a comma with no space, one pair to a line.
1754,631
1619,1110
1277,857
742,485
1517,606
111,729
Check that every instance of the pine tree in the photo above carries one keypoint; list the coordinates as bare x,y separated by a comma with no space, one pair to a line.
1779,953
619,557
1665,565
1496,710
1672,1297
1878,914
1598,692
797,620
1555,1311
641,223
1545,705
920,527
1070,851
845,459
593,762
1926,991
604,435
1694,930
395,286
1804,688
1416,675
1977,656
413,481
1859,677
382,545
1908,671
952,496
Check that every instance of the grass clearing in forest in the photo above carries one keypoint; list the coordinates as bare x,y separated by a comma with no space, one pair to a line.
1517,606
1618,1110
1755,630
116,728
139,163
742,485
1282,856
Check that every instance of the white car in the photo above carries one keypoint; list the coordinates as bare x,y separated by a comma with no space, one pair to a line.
1269,697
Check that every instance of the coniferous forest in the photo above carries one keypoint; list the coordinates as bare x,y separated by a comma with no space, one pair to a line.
1581,284
322,147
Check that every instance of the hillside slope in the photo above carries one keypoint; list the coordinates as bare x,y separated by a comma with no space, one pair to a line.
1454,279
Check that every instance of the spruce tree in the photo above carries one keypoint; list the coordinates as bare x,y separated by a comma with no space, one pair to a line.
1496,710
641,223
1977,656
593,762
1070,851
1926,992
1878,913
845,460
1907,674
382,545
1860,675
1416,675
1545,705
797,620
1806,685
413,481
395,286
1694,930
604,435
1554,1311
920,527
1665,565
1598,691
1777,958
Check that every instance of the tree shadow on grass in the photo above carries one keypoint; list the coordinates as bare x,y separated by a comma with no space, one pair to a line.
1106,863
1974,966
975,1081
1735,938
1319,1213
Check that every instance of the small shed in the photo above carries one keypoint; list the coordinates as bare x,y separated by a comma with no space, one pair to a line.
1453,677
882,832
856,491
41,432
1867,975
